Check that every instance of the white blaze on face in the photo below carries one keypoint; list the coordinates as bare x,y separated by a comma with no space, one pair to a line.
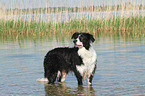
79,43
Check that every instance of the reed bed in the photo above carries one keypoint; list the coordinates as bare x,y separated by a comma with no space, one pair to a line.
132,26
14,24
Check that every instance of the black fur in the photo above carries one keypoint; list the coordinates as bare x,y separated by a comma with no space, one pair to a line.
61,59
65,59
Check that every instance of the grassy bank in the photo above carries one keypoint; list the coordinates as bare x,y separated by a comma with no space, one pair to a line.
131,26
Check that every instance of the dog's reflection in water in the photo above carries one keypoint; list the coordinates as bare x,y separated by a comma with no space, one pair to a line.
60,89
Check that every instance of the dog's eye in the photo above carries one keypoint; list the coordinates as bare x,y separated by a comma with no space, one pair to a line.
82,38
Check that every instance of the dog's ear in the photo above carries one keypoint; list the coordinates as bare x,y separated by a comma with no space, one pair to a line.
92,38
75,35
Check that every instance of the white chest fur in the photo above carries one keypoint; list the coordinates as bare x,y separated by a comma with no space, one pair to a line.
89,59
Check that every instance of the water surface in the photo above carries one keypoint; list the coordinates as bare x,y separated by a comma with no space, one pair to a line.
120,70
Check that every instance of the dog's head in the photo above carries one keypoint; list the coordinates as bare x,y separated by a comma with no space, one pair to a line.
83,40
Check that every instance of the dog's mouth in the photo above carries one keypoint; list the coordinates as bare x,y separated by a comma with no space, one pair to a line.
77,45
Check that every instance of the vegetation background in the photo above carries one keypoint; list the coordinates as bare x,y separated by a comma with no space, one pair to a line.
126,19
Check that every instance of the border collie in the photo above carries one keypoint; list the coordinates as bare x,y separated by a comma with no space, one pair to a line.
81,59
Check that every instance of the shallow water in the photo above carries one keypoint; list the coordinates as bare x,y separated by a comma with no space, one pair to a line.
120,70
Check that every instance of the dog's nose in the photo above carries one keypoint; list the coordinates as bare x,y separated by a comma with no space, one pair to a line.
75,41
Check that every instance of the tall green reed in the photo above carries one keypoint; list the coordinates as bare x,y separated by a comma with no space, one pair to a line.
118,26
133,26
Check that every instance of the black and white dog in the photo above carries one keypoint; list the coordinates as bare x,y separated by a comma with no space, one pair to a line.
81,59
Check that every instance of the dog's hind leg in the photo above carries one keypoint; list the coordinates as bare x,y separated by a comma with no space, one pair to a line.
62,76
52,77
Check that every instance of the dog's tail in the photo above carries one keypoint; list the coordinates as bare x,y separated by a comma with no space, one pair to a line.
42,80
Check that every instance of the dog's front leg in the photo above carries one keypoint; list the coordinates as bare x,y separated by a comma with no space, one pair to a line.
90,77
79,77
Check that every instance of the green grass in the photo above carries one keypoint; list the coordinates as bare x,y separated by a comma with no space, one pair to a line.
131,26
126,27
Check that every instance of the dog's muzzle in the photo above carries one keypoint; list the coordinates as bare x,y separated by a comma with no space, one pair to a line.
75,41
